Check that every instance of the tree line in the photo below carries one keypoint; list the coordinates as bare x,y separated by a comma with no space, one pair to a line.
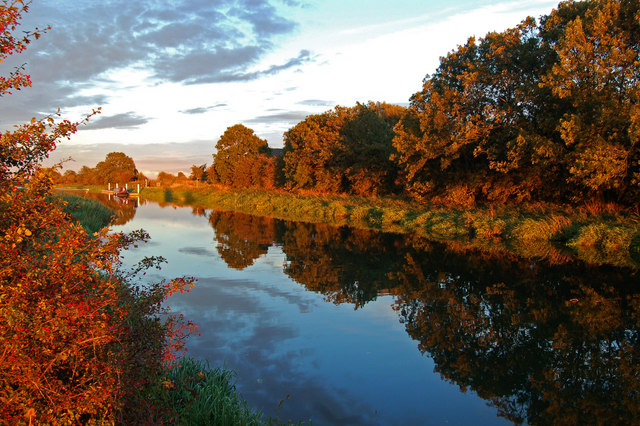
546,111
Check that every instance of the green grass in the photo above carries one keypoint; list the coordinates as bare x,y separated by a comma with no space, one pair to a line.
192,393
199,395
537,231
91,214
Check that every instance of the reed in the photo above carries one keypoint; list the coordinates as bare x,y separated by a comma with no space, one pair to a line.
91,214
192,393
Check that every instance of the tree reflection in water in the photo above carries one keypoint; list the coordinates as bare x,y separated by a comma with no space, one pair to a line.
242,238
543,343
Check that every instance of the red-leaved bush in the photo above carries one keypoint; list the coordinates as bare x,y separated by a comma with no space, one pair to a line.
78,340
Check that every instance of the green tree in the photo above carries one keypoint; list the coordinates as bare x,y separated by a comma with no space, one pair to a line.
367,147
236,153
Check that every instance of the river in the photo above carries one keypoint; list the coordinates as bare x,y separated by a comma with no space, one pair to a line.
347,326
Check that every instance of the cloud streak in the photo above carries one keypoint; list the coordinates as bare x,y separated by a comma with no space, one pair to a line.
202,110
180,41
284,116
128,120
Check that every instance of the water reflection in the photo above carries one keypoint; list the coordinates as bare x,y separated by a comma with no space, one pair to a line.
242,238
542,343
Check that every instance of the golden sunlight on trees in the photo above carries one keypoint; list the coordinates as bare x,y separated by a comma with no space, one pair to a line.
199,173
345,150
544,111
598,74
243,159
116,167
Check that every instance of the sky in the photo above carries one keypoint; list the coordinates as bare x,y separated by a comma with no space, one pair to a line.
172,75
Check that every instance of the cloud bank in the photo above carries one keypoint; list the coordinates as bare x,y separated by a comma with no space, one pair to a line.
179,41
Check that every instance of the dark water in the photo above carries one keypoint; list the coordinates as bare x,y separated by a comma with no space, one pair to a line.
346,326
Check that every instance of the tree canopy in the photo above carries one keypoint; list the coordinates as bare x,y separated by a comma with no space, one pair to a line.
241,158
343,150
117,167
545,110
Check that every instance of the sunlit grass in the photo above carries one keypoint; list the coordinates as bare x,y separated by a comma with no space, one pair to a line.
195,394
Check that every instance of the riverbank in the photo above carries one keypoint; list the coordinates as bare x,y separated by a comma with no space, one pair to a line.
592,234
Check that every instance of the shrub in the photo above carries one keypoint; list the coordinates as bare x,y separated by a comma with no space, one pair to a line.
78,339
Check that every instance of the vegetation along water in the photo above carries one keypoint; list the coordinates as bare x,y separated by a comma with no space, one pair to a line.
493,223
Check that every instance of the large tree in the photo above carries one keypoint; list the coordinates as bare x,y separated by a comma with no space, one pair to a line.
344,150
117,167
598,74
239,156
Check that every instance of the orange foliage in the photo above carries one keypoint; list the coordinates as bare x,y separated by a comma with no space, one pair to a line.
78,341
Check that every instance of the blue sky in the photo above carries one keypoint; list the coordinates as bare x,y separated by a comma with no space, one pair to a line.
172,75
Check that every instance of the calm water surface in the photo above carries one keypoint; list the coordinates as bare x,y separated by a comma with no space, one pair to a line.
345,326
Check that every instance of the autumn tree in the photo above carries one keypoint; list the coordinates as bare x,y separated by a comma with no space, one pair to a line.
540,111
475,122
345,150
166,179
309,148
597,73
199,173
240,156
87,175
69,176
117,167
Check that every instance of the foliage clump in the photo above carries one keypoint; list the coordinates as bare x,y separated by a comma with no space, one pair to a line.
78,340
242,159
544,111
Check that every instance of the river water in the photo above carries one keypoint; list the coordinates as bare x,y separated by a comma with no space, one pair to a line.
346,326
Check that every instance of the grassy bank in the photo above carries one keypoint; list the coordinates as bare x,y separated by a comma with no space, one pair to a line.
557,234
91,214
196,394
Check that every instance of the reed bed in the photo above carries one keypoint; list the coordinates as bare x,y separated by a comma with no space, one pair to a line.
91,214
